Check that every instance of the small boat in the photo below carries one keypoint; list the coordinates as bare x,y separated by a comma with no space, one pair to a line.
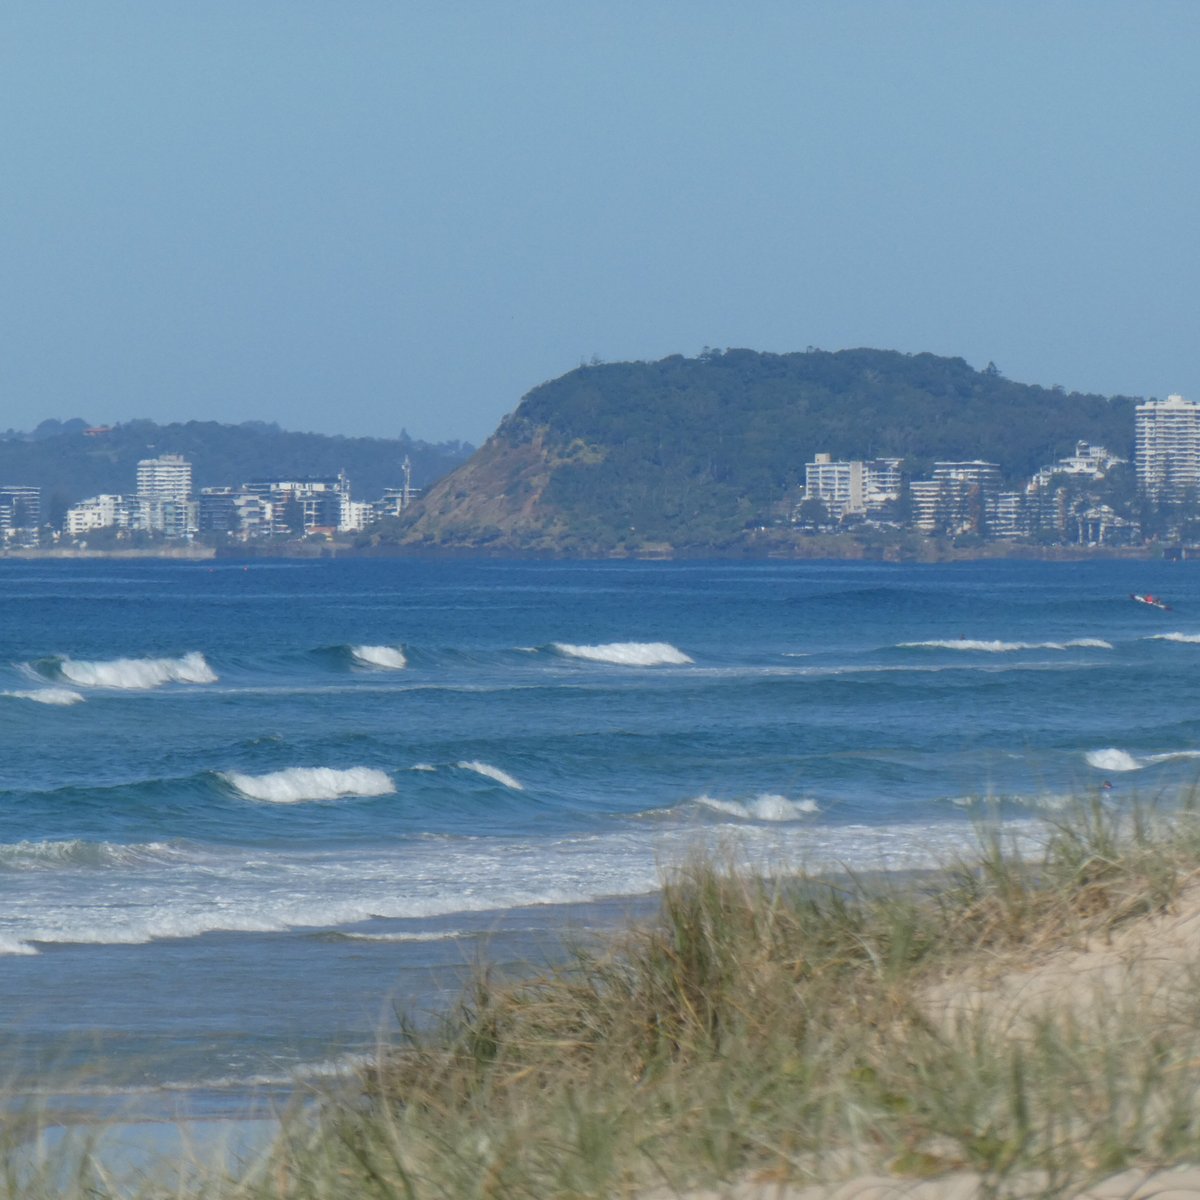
1153,601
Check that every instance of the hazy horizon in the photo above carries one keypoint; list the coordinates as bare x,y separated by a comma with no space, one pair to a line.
353,219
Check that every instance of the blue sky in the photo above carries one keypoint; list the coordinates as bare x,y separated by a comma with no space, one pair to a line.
358,216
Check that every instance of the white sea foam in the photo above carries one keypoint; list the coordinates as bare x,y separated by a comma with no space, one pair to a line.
138,673
12,945
299,784
447,936
1111,759
627,654
767,806
998,647
48,695
486,769
75,852
391,658
328,888
1190,639
422,766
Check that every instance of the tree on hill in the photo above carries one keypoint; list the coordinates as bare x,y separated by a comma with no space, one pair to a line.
691,450
69,465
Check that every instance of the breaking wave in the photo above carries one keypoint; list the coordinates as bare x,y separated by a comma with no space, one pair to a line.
137,673
490,772
1113,760
767,806
998,647
48,695
1190,639
75,852
627,654
390,658
12,945
299,784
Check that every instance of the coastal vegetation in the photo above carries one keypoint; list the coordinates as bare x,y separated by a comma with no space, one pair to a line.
693,452
1028,1017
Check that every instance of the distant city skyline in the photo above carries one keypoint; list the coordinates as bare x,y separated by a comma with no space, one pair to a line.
357,219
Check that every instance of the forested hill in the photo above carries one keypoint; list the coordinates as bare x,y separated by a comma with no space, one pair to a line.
69,465
690,450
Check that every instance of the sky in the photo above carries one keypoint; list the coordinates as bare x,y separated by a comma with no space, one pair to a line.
358,217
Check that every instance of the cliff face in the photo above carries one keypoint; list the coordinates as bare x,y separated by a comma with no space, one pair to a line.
495,496
691,453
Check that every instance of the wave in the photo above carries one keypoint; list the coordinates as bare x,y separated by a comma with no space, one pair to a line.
1111,759
1190,639
48,695
136,673
627,654
490,772
767,806
296,785
12,945
998,647
75,852
390,658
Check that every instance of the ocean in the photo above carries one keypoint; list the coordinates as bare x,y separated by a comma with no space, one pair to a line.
254,811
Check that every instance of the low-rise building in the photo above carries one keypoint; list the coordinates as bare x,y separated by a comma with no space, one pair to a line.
99,512
852,487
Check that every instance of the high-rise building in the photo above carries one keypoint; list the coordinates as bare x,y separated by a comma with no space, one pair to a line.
967,496
1168,447
20,507
164,487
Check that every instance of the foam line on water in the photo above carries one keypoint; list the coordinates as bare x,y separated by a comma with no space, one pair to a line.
61,697
490,772
390,658
984,646
297,785
626,654
448,935
73,853
1190,639
137,673
767,806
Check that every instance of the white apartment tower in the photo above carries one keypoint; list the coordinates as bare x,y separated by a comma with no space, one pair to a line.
164,488
852,487
1168,447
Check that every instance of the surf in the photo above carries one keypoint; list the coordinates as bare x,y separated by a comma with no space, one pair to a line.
767,806
62,697
389,658
626,654
299,785
134,674
984,646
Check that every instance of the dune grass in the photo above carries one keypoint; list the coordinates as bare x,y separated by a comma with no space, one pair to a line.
781,1029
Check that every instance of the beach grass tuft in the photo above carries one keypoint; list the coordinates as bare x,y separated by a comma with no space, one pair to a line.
1010,1015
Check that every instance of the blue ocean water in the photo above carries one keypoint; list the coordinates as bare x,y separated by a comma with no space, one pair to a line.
251,809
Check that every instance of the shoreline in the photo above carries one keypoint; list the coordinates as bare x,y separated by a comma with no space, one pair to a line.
794,552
